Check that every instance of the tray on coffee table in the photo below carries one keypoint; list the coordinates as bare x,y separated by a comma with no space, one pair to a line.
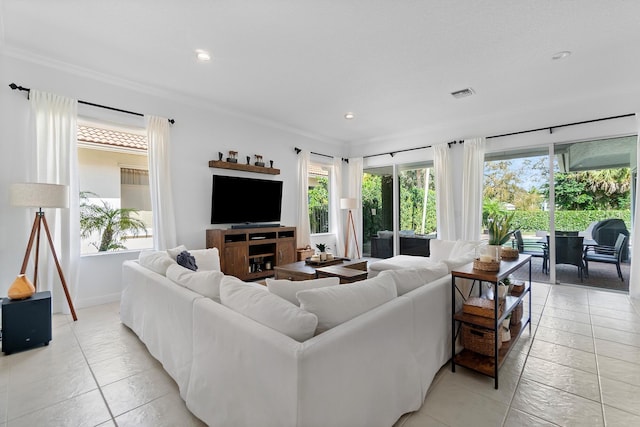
324,263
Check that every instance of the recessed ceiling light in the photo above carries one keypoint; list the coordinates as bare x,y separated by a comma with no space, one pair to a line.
560,55
349,116
203,55
462,93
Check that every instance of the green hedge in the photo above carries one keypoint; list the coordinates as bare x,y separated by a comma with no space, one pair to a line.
530,221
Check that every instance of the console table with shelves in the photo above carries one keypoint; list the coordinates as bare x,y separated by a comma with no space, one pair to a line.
253,253
488,365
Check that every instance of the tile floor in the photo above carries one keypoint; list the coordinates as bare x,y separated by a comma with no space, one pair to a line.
580,366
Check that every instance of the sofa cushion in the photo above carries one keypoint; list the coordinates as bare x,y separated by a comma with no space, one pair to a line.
409,279
207,259
156,261
337,304
174,252
287,289
267,308
454,263
206,283
441,249
464,248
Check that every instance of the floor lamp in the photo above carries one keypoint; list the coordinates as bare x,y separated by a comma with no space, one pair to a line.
37,195
350,204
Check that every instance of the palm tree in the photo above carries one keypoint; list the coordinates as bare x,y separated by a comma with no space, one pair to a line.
111,223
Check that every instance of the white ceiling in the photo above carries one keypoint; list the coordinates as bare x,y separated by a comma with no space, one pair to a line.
304,63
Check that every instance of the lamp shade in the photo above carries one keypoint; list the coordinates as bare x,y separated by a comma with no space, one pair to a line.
348,203
38,195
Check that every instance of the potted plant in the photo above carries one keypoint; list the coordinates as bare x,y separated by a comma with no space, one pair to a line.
322,248
499,226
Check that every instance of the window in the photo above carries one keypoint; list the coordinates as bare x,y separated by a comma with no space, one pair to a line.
115,201
319,188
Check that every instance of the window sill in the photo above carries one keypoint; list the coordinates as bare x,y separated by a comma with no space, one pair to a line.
108,253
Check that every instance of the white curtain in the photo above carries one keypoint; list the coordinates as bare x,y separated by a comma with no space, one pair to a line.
56,162
472,181
444,193
354,190
335,217
164,223
303,231
634,279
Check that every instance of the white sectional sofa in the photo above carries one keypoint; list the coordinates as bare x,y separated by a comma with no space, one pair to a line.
453,253
236,371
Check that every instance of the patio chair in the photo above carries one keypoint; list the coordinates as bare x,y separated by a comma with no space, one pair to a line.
569,250
535,248
606,254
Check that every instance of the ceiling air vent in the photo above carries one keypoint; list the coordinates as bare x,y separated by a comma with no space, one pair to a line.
463,93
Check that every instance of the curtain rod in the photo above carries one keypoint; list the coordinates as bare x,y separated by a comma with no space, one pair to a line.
551,128
14,86
298,150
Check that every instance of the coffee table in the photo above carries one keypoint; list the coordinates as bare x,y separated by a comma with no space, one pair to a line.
302,271
347,274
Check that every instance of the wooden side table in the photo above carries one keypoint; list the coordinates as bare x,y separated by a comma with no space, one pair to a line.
488,365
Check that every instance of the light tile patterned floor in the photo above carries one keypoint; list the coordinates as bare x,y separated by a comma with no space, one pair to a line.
580,366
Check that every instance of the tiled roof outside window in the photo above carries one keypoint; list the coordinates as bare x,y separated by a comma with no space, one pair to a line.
112,137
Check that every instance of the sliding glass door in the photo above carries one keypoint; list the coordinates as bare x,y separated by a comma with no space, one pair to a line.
417,208
377,212
593,193
570,225
515,182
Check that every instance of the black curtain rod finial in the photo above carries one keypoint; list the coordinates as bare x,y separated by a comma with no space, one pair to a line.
297,150
345,160
14,86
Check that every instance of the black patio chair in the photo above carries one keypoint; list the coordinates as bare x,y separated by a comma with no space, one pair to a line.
606,254
535,248
569,250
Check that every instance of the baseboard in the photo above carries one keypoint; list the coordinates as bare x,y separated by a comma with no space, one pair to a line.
102,299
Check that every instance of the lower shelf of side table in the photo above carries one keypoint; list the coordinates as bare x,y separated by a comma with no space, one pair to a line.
486,364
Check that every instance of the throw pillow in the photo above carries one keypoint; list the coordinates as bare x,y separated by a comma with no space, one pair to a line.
337,304
187,260
409,279
464,248
207,259
441,249
174,252
157,261
205,283
267,308
287,289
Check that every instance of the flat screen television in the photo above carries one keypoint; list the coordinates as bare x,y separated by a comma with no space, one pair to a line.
238,200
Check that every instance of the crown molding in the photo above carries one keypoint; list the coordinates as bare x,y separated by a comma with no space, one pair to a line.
171,95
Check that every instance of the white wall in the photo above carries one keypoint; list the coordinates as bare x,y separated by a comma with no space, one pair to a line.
201,130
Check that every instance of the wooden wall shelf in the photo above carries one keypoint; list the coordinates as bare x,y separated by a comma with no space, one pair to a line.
240,167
